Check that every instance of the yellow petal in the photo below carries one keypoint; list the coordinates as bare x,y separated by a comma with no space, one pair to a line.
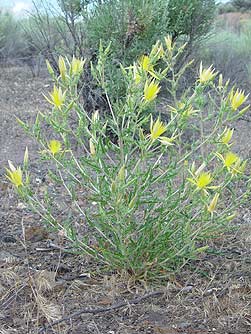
237,98
227,136
230,158
204,180
157,129
145,63
151,90
207,74
15,176
54,146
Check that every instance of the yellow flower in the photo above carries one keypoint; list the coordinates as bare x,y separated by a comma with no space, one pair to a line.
145,63
226,136
156,129
207,74
229,159
237,98
211,207
54,146
77,66
151,90
62,67
202,181
178,109
14,175
232,162
57,97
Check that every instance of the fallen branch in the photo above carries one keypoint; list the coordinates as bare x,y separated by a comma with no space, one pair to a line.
103,309
51,247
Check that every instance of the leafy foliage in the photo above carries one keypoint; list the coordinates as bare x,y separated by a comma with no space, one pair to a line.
242,4
190,18
145,201
11,41
131,26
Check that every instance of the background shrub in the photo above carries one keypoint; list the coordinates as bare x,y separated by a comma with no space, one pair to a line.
16,45
130,26
241,4
12,42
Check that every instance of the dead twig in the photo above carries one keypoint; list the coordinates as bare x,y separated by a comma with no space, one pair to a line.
51,246
103,309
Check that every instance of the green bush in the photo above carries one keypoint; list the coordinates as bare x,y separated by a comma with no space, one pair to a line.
190,18
146,201
226,8
128,26
242,4
15,44
12,42
131,26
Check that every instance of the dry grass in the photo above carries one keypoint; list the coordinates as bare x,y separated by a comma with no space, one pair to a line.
213,292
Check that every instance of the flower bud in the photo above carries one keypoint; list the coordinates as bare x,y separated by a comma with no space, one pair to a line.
132,202
95,116
212,205
113,187
49,68
92,147
62,67
26,157
121,174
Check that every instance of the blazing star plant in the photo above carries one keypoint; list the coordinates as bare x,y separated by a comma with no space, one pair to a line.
142,196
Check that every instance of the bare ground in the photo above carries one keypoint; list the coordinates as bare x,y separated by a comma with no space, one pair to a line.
39,284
